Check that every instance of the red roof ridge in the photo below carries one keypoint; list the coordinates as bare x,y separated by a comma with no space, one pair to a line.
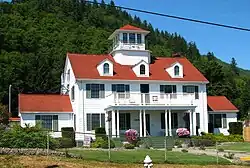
130,27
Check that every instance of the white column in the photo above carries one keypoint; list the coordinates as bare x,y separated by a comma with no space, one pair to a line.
113,129
144,122
140,117
194,122
170,123
191,122
118,122
166,123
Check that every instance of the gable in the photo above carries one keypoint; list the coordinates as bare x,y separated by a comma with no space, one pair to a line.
105,68
175,70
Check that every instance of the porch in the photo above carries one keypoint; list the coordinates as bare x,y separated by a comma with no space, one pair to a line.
154,121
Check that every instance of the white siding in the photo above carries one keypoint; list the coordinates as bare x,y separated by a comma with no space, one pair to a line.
131,57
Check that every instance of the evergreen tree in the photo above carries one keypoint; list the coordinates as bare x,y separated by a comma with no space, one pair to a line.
234,67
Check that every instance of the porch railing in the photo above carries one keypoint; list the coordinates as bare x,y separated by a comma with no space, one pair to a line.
153,99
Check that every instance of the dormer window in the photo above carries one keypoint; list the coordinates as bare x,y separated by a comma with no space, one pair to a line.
131,38
176,70
142,69
106,68
68,75
138,38
125,38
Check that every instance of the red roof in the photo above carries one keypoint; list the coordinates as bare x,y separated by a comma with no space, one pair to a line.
130,27
85,67
14,119
44,103
220,103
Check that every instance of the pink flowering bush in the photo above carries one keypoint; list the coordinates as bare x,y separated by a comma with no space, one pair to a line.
181,132
131,136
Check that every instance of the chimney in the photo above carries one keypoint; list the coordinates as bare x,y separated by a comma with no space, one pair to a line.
177,54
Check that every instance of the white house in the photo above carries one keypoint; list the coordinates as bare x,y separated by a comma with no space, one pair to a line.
126,89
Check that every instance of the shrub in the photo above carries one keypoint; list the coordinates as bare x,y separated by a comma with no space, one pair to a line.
65,142
100,132
235,128
132,136
178,142
129,146
220,150
102,143
26,137
220,138
184,150
69,134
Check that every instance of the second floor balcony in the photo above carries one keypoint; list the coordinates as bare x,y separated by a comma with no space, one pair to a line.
150,99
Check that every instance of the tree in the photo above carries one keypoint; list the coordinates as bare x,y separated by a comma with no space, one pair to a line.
4,114
234,68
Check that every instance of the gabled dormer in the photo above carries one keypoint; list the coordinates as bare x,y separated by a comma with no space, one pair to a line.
141,69
129,45
175,70
105,68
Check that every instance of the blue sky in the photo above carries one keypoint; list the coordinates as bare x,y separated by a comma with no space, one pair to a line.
225,43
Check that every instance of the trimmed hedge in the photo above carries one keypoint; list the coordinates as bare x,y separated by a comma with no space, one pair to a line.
220,138
100,132
68,138
236,128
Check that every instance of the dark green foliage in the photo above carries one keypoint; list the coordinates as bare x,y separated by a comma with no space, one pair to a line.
129,146
100,132
27,137
35,36
68,137
218,138
236,128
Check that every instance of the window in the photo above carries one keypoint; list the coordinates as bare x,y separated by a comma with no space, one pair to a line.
49,122
95,121
68,75
125,38
168,89
138,38
106,68
174,120
176,70
95,91
73,93
132,38
122,90
142,69
191,89
124,121
198,120
218,120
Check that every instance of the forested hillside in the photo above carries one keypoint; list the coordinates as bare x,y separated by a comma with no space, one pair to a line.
35,36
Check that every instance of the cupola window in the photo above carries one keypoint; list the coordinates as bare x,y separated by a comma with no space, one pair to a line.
142,69
132,38
125,38
176,70
138,38
106,68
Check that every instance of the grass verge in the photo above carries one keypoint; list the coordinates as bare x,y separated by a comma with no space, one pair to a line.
158,156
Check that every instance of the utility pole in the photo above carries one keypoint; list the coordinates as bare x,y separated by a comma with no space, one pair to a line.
10,99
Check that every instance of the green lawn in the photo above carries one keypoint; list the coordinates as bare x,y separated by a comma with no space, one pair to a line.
240,146
137,156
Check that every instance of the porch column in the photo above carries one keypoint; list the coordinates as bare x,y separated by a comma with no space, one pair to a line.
113,129
191,122
140,117
194,122
166,123
117,124
170,122
144,123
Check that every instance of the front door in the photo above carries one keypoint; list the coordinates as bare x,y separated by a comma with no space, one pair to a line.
144,90
148,123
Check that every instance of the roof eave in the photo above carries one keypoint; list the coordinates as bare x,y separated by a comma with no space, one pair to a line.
224,111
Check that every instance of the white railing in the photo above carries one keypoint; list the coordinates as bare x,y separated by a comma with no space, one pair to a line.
153,99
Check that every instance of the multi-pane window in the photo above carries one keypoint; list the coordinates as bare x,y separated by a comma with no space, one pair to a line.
176,70
168,89
139,39
124,121
125,38
95,121
174,120
49,122
191,89
95,91
122,90
218,120
106,68
73,93
132,38
142,69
